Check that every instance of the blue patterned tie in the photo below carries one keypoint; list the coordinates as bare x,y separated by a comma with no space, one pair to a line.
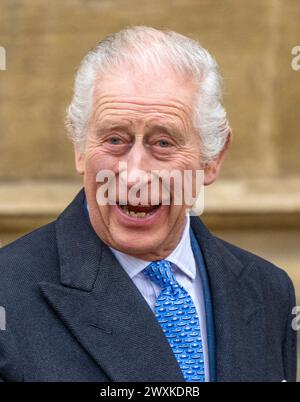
176,314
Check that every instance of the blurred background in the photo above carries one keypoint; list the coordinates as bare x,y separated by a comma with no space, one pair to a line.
256,202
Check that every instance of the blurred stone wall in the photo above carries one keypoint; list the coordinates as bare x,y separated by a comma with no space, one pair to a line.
251,39
255,204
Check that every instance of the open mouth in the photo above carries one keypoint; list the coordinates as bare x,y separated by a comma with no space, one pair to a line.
139,211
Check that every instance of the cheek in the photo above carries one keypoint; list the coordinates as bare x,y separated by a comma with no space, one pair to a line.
98,160
186,160
95,162
189,162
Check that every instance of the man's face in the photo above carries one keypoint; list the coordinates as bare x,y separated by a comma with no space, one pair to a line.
145,121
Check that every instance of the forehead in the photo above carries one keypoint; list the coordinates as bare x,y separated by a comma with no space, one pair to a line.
144,91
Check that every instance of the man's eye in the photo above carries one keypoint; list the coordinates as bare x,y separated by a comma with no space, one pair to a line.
115,141
163,144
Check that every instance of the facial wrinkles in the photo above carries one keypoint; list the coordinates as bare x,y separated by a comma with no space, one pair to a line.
138,113
106,106
139,116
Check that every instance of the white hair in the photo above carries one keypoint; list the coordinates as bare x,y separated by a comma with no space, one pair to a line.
142,46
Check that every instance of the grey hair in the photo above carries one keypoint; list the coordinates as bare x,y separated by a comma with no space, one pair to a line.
141,46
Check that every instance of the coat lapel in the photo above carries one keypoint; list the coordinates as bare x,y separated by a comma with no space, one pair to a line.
103,309
237,310
98,302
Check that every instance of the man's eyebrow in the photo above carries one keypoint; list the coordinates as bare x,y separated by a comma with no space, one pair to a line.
165,128
106,127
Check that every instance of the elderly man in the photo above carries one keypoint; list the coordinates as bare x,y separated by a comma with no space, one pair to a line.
142,291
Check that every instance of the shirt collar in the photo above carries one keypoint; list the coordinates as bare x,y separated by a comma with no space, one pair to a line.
182,256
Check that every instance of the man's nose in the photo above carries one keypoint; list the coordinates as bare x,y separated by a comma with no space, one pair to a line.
136,170
138,161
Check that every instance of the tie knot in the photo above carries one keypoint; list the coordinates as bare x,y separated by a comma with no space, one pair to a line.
161,273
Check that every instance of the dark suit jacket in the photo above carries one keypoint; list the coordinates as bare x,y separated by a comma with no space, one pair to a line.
73,314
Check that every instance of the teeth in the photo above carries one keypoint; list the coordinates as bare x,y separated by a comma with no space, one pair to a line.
135,214
141,214
138,214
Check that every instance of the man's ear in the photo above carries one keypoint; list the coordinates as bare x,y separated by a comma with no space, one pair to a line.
79,161
212,168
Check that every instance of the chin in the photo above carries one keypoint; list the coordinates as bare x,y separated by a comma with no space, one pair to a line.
134,244
138,231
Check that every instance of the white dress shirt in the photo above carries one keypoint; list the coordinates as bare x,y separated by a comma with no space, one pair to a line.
185,272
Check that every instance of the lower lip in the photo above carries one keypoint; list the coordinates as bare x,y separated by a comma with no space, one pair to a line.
128,220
